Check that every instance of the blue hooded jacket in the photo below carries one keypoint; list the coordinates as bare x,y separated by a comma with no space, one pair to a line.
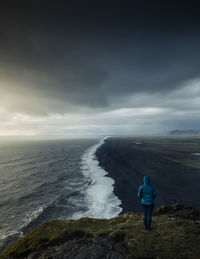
147,192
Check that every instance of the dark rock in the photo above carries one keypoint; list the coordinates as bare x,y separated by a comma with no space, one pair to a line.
84,249
34,255
187,213
179,210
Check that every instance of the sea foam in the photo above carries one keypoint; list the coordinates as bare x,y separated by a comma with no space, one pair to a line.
100,199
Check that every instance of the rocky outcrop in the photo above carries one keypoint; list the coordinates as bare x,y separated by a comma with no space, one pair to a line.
179,210
101,247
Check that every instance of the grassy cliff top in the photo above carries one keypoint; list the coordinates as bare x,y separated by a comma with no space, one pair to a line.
175,234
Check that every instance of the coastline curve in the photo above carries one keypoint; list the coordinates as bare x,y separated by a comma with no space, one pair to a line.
100,198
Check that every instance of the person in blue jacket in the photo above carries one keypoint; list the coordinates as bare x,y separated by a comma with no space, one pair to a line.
147,193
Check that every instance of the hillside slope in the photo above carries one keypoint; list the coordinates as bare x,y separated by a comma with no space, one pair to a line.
175,234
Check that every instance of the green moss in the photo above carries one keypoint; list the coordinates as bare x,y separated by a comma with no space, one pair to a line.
168,238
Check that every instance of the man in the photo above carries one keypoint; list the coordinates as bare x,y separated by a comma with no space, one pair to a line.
147,193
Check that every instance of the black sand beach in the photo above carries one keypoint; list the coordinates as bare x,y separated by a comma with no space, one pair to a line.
172,163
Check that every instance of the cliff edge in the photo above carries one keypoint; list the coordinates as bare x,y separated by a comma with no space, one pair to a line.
175,233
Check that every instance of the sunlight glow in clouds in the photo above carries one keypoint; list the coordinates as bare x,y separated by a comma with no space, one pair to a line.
129,121
114,121
97,70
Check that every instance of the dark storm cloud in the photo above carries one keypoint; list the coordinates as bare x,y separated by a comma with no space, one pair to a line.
91,53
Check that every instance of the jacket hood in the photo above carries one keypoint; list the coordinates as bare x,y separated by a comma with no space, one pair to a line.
147,180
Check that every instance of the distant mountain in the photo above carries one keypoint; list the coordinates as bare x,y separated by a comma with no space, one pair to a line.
184,132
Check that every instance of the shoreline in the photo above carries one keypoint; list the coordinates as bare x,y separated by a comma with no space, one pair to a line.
126,165
99,193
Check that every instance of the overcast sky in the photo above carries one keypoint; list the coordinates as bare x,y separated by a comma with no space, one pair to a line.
99,67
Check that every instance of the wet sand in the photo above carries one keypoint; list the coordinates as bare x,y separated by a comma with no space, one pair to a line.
170,162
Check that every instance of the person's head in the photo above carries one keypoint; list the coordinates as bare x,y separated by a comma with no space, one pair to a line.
147,180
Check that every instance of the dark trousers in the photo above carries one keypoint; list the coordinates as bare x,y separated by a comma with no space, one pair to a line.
147,209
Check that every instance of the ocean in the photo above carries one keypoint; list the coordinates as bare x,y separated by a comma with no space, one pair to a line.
54,179
98,178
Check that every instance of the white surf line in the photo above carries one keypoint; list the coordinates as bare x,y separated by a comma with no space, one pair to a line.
101,201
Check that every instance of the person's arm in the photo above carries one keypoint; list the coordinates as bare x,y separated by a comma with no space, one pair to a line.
154,192
140,192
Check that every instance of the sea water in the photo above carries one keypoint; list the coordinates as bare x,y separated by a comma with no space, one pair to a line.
54,179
